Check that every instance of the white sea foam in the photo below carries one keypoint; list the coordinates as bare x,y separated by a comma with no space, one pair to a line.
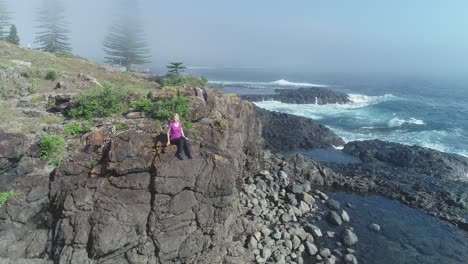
279,83
397,122
434,139
370,123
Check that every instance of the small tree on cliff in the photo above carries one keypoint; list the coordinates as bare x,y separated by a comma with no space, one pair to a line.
54,35
4,19
176,67
125,45
13,36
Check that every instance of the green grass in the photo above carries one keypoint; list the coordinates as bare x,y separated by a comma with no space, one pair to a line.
121,127
4,66
52,149
74,129
4,196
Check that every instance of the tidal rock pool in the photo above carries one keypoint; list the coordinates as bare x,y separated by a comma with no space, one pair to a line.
406,235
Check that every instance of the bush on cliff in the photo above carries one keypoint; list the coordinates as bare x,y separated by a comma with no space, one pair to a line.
164,109
101,102
178,80
52,148
74,129
4,196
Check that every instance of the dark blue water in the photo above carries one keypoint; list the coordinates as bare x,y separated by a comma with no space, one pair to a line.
406,236
420,111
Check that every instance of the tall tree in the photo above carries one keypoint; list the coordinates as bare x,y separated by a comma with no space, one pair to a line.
54,34
176,67
125,43
5,17
13,36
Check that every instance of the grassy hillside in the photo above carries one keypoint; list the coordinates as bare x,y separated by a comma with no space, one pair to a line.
28,78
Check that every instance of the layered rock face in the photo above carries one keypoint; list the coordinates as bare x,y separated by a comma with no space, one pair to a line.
124,198
312,95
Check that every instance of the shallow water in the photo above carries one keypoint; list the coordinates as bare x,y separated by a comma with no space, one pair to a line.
406,236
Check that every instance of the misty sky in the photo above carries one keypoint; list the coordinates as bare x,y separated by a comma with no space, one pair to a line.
399,36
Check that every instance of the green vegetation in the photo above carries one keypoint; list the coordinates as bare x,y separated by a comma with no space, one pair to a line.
52,75
74,128
120,127
164,109
6,91
143,105
101,102
124,44
190,80
4,66
176,67
52,148
4,196
52,36
51,119
65,54
13,36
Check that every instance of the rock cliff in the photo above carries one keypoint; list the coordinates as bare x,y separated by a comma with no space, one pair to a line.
125,198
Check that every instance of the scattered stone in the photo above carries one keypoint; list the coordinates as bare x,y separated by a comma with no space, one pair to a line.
325,252
350,259
296,242
311,248
285,218
334,219
295,188
315,231
307,198
321,195
266,253
345,216
330,234
333,205
375,227
349,238
252,244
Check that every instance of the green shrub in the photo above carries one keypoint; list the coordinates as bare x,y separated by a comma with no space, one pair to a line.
4,66
143,105
164,109
52,75
52,148
120,127
77,128
191,80
6,91
101,102
4,196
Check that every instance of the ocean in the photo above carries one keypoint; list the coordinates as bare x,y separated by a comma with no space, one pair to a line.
427,112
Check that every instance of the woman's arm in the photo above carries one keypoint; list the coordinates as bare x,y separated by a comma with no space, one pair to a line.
168,135
182,132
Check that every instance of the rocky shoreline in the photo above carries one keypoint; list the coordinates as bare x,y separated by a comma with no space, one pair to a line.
430,180
280,212
312,95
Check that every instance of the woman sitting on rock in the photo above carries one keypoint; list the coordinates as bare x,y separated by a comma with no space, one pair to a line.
175,136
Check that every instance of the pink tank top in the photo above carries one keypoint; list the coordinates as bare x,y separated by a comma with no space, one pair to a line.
175,130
